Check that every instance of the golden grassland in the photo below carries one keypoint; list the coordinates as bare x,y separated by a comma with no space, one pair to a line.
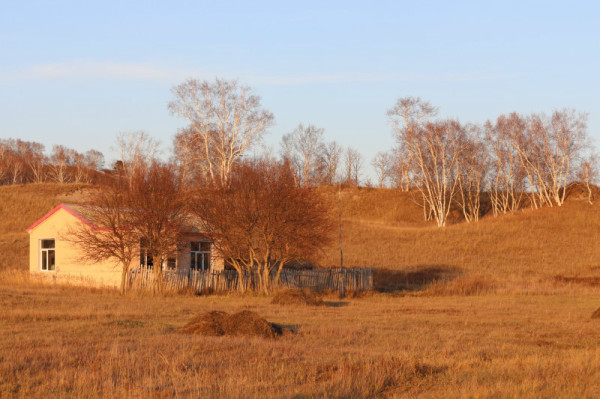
61,341
501,308
20,207
384,229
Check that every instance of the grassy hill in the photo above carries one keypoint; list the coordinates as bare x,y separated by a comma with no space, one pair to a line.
384,229
20,206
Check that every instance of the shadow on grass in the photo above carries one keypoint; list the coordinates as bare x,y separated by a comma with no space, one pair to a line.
415,279
335,304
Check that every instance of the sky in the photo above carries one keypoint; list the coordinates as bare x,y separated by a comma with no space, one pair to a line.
78,73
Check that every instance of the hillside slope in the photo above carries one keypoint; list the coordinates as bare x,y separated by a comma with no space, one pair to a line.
20,206
384,229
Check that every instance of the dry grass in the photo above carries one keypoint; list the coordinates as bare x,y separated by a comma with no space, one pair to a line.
502,308
21,206
78,342
517,251
297,297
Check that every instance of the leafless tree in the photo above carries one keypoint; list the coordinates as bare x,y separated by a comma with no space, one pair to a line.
158,203
507,176
226,120
137,150
407,116
303,147
383,164
112,236
473,167
263,220
436,149
400,172
354,164
588,174
61,159
548,149
329,162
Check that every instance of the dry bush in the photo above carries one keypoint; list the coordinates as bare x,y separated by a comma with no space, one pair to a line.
297,297
246,323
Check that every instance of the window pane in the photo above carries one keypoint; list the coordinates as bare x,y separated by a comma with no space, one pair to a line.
193,261
48,244
205,246
195,245
51,262
207,262
44,255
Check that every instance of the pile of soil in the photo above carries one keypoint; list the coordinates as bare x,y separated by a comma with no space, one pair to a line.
297,297
245,323
596,314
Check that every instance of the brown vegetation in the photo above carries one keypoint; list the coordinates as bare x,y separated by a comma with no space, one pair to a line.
297,297
76,342
246,323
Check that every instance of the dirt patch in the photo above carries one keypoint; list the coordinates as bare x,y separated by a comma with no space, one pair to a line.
297,297
244,323
596,314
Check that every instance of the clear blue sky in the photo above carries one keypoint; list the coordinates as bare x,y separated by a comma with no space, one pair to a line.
78,73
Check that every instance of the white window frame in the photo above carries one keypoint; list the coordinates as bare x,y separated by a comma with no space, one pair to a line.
44,251
201,255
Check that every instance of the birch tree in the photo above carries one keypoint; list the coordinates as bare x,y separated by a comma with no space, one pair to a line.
225,120
383,164
507,176
303,148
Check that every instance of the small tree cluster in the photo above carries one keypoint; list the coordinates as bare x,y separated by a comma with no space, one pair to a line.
25,162
450,163
263,219
145,208
315,162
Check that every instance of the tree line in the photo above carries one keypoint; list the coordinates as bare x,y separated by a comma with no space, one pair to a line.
26,162
264,212
512,161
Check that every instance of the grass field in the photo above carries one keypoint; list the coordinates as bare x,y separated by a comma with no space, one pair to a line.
76,342
501,308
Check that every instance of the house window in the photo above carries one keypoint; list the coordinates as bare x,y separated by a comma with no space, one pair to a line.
47,255
200,255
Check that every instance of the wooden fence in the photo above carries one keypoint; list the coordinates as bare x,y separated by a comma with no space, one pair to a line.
338,279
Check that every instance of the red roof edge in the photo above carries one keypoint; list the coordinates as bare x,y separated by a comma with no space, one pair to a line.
53,211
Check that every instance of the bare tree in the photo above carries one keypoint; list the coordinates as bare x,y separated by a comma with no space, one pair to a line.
112,235
588,174
436,149
137,150
472,169
263,220
303,147
148,208
354,164
507,176
61,159
383,164
400,171
548,150
226,120
158,204
330,161
407,116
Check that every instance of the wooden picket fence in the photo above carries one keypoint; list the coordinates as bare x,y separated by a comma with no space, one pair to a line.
336,279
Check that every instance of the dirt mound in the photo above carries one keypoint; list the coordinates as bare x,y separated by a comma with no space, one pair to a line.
596,314
243,323
297,297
